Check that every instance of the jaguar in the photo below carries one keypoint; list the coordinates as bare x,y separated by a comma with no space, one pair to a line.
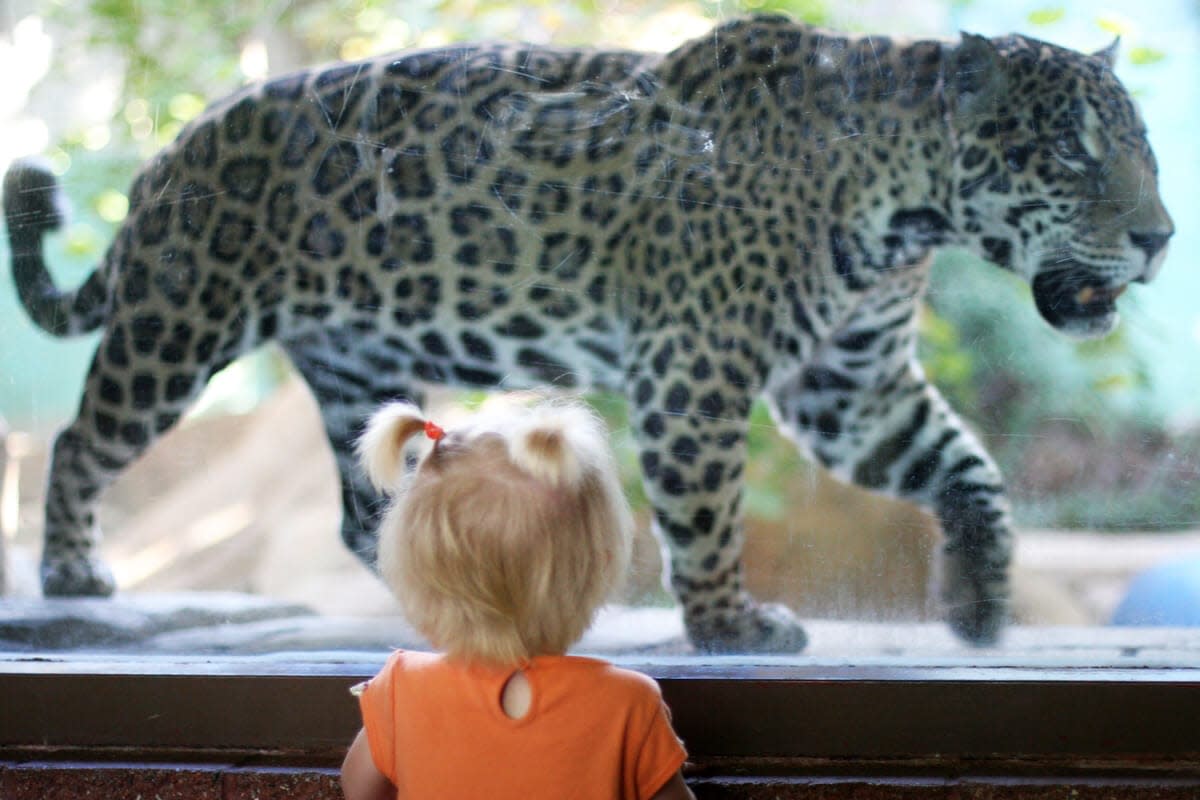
750,215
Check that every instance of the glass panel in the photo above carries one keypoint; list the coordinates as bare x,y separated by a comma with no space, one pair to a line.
224,536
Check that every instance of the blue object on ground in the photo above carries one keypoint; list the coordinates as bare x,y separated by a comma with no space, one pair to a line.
1168,594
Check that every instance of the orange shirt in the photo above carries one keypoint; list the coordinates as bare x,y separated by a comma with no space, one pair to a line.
436,729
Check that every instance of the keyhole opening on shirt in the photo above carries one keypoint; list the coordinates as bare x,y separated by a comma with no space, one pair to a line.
516,697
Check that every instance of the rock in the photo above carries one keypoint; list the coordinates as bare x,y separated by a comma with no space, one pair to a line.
60,623
293,634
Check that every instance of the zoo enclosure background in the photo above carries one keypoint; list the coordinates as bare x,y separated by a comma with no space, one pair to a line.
1100,435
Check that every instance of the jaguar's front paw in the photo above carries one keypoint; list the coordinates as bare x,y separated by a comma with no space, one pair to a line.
979,622
976,605
79,577
753,628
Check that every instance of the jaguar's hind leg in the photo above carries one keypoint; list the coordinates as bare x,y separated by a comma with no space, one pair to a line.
347,393
126,405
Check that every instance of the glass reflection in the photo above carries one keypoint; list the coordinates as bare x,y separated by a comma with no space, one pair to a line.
1097,440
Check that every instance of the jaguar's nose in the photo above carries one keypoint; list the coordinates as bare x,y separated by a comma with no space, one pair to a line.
1152,243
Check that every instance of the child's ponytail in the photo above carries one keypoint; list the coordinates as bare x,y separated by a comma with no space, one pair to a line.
557,448
381,447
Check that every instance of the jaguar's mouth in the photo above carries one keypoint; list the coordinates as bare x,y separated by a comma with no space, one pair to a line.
1075,301
1102,299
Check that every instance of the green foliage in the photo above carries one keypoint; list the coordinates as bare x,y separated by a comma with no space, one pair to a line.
611,407
983,333
1165,506
1144,56
773,464
814,12
144,30
947,363
1046,16
1037,398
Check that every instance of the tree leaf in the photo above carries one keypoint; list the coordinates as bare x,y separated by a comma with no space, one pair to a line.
1146,55
1114,24
1047,16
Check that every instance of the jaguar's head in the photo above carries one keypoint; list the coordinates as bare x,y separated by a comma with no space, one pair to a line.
1054,178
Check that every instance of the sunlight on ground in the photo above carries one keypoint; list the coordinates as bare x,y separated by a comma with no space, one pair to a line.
200,535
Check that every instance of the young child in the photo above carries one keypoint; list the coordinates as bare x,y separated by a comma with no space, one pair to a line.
501,545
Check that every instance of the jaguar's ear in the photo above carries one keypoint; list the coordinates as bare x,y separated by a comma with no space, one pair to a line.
1109,54
975,75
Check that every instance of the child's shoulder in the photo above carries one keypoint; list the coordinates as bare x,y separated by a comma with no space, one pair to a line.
416,659
411,660
407,665
620,679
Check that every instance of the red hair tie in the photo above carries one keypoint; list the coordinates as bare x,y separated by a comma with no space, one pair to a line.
433,431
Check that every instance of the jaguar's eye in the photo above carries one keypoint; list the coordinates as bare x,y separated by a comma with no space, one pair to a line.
1068,145
1071,153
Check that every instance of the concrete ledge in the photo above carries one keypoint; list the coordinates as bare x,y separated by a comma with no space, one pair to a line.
199,624
131,780
134,780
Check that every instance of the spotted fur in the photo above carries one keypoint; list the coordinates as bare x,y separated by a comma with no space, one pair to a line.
750,215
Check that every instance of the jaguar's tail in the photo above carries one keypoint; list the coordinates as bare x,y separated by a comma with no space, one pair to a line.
34,205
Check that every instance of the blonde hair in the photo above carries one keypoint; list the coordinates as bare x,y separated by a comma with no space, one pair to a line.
510,533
